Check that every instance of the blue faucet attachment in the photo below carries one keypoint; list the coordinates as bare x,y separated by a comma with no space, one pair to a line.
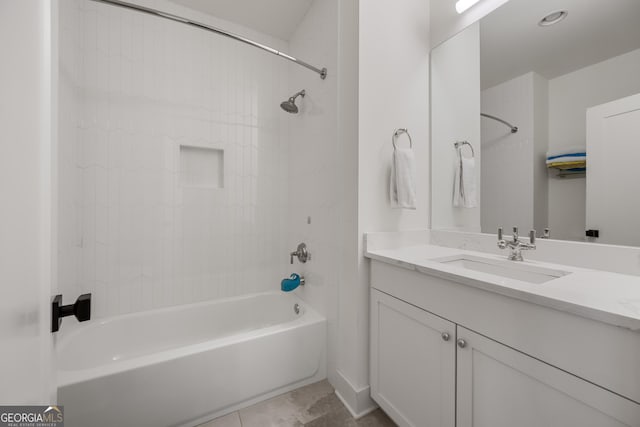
288,285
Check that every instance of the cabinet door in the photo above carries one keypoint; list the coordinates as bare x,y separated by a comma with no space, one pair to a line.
412,363
501,387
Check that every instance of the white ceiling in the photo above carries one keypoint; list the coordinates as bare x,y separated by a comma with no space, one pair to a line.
513,44
277,18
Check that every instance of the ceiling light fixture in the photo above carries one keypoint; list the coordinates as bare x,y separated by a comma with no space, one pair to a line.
462,5
553,18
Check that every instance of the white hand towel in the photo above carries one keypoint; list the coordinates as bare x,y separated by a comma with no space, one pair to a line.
402,186
464,183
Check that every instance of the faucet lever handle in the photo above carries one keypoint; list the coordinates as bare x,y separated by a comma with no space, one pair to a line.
301,253
532,237
499,233
515,234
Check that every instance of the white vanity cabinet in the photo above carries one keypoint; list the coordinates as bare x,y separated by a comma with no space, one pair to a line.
505,362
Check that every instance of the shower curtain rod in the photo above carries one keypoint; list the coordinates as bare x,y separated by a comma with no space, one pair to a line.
514,129
171,17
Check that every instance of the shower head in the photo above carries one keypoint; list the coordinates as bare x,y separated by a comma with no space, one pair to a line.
290,105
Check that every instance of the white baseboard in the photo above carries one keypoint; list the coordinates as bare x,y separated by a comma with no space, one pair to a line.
357,401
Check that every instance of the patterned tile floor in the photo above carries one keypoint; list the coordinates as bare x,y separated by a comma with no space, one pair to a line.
315,405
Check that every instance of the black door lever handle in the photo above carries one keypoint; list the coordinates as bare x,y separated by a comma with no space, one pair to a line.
81,309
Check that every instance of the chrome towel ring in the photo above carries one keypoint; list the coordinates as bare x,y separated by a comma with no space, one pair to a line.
399,132
460,144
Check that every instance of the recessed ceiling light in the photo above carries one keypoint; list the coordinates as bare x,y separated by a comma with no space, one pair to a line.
553,18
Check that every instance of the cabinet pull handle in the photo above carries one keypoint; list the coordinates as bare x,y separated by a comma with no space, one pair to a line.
446,336
462,343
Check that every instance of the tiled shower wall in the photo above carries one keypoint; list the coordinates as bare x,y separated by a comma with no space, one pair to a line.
132,230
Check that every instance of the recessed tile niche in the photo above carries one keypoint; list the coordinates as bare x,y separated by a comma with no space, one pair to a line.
201,167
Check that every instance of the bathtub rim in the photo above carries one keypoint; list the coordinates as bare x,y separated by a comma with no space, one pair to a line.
69,377
77,328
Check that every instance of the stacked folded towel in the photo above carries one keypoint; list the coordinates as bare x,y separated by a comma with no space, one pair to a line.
574,158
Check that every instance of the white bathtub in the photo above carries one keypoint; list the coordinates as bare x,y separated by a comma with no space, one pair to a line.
182,365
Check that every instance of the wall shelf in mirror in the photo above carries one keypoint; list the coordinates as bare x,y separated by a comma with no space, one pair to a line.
568,173
571,162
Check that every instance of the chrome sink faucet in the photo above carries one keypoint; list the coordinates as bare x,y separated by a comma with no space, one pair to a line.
516,245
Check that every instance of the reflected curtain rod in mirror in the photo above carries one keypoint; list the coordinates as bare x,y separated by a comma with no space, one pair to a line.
175,18
514,129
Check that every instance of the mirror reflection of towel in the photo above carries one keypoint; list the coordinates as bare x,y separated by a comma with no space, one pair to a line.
402,190
464,183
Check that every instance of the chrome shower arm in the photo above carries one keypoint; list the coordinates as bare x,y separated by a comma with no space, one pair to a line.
302,93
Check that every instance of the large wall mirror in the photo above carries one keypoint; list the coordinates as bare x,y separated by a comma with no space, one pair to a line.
536,122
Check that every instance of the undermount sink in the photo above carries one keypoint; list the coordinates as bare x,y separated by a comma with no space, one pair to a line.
506,269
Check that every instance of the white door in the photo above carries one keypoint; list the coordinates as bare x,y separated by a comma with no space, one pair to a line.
501,387
26,202
613,149
412,366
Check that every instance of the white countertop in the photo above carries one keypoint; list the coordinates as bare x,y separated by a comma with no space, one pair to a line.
607,297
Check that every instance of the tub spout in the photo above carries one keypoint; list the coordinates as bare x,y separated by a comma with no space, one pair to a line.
291,283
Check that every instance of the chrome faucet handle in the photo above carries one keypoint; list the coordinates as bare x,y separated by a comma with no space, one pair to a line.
532,237
547,234
301,253
502,244
515,234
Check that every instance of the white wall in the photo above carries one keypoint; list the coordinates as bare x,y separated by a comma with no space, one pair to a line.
569,97
314,159
349,320
507,158
27,185
455,90
150,85
393,92
514,176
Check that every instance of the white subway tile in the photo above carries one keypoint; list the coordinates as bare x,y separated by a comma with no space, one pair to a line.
149,86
